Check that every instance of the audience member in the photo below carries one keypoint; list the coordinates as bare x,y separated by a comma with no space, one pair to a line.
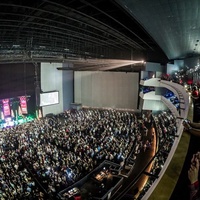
193,174
192,127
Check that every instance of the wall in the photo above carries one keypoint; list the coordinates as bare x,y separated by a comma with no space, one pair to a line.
171,68
61,80
191,62
155,67
153,105
179,63
107,89
144,75
68,88
51,79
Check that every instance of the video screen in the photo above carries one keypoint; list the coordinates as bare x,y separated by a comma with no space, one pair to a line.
49,98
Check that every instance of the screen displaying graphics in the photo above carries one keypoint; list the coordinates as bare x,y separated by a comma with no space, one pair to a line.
6,107
8,122
49,98
23,105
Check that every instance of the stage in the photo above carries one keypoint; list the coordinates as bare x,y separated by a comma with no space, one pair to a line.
13,121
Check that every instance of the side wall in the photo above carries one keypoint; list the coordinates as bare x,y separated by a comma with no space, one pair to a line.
60,80
51,79
68,88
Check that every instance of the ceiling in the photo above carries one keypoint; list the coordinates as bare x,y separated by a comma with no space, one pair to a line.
106,31
174,24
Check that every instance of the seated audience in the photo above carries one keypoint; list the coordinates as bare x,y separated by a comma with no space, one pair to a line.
45,156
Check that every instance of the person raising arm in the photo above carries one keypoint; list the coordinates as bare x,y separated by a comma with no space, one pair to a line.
193,173
192,127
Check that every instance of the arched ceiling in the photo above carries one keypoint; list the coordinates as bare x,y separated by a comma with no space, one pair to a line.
60,30
174,24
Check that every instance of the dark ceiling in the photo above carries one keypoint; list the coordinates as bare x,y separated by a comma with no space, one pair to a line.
174,24
60,30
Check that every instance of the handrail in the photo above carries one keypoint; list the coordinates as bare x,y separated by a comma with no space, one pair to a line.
185,97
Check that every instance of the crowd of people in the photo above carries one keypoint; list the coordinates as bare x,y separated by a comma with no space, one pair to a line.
42,157
45,156
16,181
166,128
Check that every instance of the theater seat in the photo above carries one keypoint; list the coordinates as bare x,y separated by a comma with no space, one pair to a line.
77,198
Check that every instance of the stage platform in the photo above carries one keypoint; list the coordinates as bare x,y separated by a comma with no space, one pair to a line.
12,121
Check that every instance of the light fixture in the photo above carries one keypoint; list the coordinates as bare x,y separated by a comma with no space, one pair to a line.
16,45
42,47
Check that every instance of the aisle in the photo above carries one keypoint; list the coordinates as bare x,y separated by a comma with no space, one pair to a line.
142,160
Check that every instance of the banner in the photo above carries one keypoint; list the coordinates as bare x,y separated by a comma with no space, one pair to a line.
6,107
23,105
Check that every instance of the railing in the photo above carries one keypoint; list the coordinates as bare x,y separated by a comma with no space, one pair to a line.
184,98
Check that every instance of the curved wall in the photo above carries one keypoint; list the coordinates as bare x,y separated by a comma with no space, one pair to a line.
184,98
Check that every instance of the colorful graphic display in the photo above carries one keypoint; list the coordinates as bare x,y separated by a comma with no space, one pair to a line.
6,107
23,104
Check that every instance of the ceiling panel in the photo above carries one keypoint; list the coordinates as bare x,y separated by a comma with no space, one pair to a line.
173,24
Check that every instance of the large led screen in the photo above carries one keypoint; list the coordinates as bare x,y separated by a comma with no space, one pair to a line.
49,98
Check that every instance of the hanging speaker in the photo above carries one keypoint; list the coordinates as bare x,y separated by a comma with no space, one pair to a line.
37,96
